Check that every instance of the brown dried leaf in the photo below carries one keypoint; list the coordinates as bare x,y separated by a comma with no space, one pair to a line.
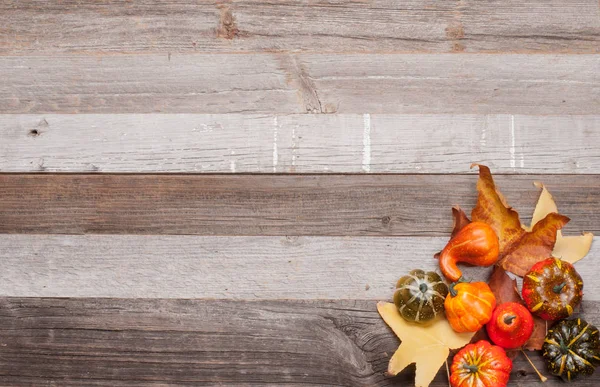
490,209
533,246
540,329
504,288
460,220
519,249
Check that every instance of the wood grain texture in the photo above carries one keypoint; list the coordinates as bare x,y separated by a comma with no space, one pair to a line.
129,266
374,205
118,342
65,27
316,83
298,143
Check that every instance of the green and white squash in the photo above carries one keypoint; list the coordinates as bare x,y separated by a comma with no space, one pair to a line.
420,296
572,349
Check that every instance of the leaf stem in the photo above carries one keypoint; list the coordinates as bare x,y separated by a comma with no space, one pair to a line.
542,377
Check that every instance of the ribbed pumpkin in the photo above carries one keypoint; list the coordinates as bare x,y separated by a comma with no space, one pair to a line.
571,349
469,306
480,365
420,296
552,289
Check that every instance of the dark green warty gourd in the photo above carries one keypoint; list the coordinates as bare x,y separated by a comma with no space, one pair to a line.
420,296
572,349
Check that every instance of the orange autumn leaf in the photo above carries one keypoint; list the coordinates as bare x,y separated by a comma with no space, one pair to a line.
519,249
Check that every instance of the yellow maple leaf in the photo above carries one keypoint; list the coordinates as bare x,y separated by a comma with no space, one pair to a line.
427,346
567,248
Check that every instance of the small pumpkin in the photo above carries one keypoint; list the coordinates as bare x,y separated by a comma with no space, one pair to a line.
572,349
511,325
552,289
420,296
469,306
480,365
476,244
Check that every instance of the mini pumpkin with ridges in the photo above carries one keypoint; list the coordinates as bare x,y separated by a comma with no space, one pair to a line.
420,296
571,349
552,289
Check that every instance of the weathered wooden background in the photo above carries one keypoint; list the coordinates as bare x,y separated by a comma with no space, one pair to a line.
217,193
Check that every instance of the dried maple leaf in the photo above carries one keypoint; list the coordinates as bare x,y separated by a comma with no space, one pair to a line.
427,346
460,220
519,249
505,290
568,248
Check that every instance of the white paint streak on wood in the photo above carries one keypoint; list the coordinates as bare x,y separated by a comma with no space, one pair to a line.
232,162
294,147
222,267
306,143
275,154
512,142
366,160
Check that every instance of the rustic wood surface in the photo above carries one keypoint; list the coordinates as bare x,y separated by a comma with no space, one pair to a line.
300,83
374,205
118,342
33,27
182,266
298,143
144,121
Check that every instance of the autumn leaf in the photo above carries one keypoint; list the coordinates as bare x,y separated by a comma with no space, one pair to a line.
460,220
427,346
505,290
519,249
568,248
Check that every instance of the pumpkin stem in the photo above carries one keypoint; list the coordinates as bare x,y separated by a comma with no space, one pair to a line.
564,349
542,377
453,291
558,288
423,287
472,368
509,319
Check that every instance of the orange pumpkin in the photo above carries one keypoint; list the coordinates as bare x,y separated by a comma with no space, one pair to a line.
469,306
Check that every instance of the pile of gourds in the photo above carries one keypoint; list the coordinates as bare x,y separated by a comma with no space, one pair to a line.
552,290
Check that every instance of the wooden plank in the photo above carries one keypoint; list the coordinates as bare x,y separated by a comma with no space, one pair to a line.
92,342
317,83
298,143
33,27
374,205
130,266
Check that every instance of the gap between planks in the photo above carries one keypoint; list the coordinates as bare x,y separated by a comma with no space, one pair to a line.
298,143
129,266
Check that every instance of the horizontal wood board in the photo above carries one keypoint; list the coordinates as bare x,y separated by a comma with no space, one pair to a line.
133,266
545,84
118,342
32,27
298,143
370,205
